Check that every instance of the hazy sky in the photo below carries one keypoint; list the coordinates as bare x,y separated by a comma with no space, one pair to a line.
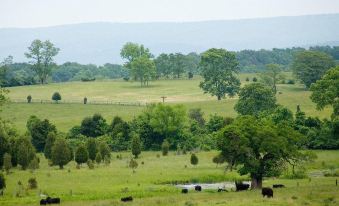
35,13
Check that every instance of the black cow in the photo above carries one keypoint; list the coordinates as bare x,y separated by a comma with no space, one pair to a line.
278,186
266,191
50,200
197,188
43,202
241,186
184,191
127,199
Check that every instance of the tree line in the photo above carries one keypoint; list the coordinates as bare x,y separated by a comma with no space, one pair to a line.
140,64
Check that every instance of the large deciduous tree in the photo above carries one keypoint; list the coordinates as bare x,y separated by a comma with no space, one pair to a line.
219,68
255,98
139,62
310,66
41,55
259,147
326,91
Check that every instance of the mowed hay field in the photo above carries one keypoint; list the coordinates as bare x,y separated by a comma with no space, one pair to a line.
150,184
186,92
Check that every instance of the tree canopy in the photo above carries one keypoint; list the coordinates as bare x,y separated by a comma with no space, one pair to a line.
219,68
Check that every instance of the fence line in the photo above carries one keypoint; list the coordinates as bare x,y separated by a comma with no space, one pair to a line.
107,102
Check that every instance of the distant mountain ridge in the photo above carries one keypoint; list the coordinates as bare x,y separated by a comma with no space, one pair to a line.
100,43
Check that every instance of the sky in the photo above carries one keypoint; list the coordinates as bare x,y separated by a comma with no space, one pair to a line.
38,13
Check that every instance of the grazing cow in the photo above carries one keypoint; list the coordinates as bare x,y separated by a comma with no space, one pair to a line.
278,186
197,188
43,202
50,200
127,199
266,191
241,186
184,191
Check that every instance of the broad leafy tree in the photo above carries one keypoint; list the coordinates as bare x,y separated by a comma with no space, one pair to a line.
310,66
93,126
260,148
92,148
325,92
219,68
255,98
42,56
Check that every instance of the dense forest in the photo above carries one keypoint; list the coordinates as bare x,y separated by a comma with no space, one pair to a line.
167,66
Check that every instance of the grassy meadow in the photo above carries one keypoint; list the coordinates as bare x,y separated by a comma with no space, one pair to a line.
186,92
150,184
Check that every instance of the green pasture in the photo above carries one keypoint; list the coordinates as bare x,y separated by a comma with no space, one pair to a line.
151,183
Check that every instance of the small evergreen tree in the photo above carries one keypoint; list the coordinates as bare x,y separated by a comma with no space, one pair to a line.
85,100
61,153
136,146
194,159
56,97
25,152
49,144
29,99
7,162
105,150
165,148
92,148
98,158
81,155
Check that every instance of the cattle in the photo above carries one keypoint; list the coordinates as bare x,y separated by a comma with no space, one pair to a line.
278,186
266,191
127,199
53,200
222,190
184,191
197,188
241,186
43,202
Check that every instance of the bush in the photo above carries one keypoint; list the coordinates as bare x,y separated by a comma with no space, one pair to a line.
90,164
194,159
32,183
136,146
107,159
81,155
254,79
133,164
56,97
247,79
29,99
34,164
7,162
92,148
126,79
85,100
98,158
165,148
87,79
290,81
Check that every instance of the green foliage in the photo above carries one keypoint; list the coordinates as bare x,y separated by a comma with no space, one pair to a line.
259,147
3,144
194,159
325,92
25,152
255,98
41,55
310,66
271,76
29,99
197,115
93,126
219,68
2,182
34,164
119,132
49,144
32,183
215,123
7,162
56,97
133,164
39,130
136,146
90,164
219,159
104,150
61,153
98,158
92,148
165,147
81,155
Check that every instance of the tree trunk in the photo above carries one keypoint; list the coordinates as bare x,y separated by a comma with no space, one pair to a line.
256,183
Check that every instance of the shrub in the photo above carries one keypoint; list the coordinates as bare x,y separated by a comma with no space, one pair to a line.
49,144
105,150
190,75
90,164
34,164
56,97
2,182
92,148
81,155
7,162
218,160
133,164
85,100
107,159
136,146
165,147
194,159
126,79
32,183
290,81
98,158
247,79
254,79
29,99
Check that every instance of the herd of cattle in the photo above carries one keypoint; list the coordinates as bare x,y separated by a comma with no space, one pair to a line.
239,186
